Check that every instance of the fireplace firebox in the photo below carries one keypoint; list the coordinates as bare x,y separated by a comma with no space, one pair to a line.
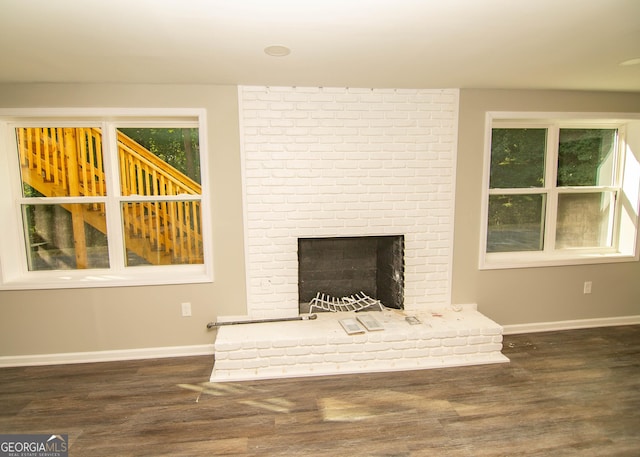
344,266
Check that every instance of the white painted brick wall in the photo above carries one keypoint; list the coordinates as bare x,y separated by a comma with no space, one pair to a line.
326,162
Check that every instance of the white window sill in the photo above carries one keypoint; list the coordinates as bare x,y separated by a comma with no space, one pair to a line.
135,276
498,261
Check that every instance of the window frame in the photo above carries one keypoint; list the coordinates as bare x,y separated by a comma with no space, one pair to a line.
550,256
14,272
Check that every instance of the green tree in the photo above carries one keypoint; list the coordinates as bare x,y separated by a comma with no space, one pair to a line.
517,158
581,154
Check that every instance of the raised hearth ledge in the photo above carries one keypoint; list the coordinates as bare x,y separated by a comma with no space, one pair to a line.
447,337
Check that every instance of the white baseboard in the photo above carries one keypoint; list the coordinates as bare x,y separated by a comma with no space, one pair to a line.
105,356
208,349
570,325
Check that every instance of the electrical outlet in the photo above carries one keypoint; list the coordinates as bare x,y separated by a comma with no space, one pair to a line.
587,287
186,309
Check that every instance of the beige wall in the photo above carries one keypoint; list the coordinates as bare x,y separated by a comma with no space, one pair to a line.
79,320
531,295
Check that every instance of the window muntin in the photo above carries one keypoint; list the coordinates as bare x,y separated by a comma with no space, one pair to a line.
575,209
104,203
521,158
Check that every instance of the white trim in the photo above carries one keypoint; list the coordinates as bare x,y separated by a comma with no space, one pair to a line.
208,349
500,260
80,279
106,356
570,325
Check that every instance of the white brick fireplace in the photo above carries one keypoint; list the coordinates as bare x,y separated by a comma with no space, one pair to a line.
345,162
336,162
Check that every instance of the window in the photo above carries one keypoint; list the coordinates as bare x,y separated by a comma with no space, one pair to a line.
559,190
101,201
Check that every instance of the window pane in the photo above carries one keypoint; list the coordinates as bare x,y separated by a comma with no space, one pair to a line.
516,223
517,158
586,157
163,232
61,162
584,220
159,161
65,237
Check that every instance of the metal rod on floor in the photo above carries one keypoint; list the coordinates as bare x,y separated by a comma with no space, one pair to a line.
303,317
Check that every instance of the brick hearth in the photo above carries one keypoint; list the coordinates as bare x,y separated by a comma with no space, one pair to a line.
321,347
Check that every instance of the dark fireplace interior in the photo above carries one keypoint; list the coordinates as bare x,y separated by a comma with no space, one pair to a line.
342,267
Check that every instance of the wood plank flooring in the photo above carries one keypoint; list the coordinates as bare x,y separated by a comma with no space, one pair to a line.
569,393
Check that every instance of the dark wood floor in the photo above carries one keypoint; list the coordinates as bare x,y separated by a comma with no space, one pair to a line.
571,393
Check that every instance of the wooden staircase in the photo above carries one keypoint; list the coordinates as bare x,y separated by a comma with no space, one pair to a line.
68,162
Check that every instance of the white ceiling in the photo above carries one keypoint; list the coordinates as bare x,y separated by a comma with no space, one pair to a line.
545,44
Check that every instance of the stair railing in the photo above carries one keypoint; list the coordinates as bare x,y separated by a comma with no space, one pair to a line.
69,161
49,152
173,226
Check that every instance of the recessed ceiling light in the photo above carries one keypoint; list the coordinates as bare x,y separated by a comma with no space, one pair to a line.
628,63
277,51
